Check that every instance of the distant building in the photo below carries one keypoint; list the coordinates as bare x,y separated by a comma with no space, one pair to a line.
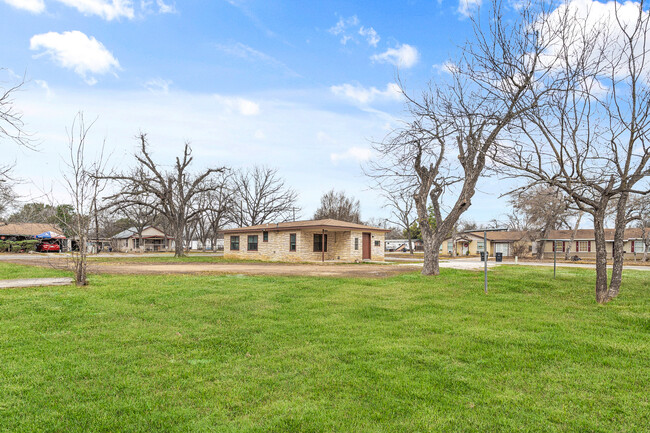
401,245
297,241
152,239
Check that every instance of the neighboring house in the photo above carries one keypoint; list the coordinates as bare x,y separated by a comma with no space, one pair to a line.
297,241
152,239
401,245
498,241
584,245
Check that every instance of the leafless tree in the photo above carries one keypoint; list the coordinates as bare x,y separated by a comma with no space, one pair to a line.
639,215
442,151
261,196
589,135
337,205
540,208
208,222
12,126
83,181
402,211
172,192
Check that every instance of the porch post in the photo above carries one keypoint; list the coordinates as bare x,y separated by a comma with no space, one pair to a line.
322,245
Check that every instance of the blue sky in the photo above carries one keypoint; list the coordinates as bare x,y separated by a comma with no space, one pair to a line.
301,86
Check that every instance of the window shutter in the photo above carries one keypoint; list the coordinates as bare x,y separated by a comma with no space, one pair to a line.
632,242
589,246
563,246
577,246
554,242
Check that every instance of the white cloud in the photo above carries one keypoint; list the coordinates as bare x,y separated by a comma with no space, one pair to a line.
245,107
33,6
107,9
74,50
365,95
43,85
371,35
467,7
404,56
343,27
612,20
445,67
358,154
147,7
245,52
158,85
164,8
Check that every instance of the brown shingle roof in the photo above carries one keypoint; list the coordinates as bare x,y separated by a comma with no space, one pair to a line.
504,236
588,234
327,224
27,229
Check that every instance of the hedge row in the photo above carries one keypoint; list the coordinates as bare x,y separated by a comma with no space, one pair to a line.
18,246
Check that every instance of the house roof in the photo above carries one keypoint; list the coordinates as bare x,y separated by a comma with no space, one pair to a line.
128,233
326,224
503,236
27,229
588,234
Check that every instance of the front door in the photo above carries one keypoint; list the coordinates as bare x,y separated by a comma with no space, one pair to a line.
366,246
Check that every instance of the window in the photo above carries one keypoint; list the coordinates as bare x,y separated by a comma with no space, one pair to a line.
252,243
377,243
265,236
356,243
292,242
583,247
638,247
234,243
450,246
480,246
318,243
558,246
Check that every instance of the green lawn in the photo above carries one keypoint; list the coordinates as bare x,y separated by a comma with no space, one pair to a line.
253,354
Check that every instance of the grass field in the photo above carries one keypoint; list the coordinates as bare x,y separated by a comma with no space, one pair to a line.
253,354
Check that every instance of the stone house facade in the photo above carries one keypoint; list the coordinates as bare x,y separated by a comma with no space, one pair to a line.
306,241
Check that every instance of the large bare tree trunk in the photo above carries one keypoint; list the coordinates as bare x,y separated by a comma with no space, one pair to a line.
601,258
619,242
431,258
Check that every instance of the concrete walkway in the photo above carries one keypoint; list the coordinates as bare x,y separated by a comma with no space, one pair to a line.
34,282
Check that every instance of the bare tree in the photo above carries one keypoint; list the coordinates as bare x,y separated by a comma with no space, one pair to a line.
171,192
443,150
12,126
639,214
83,181
261,196
402,211
589,135
540,208
338,206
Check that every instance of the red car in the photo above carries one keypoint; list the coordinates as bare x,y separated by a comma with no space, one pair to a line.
46,247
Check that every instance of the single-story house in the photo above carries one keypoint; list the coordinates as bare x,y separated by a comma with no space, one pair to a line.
152,239
584,245
401,245
498,241
296,241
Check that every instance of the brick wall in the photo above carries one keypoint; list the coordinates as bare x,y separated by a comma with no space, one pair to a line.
340,246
